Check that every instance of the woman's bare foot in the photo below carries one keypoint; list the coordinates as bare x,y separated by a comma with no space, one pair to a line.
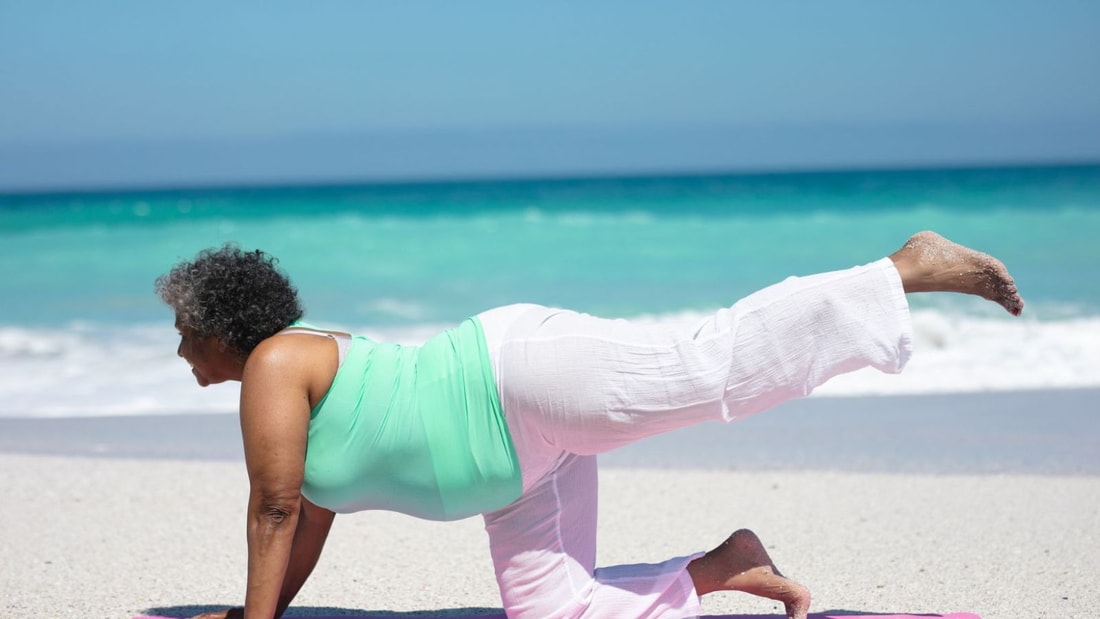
930,263
742,564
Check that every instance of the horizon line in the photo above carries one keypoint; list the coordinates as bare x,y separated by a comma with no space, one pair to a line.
550,177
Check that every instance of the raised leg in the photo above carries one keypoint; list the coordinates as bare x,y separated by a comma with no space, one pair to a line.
588,385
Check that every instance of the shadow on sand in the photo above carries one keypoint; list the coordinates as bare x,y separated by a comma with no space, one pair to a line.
329,612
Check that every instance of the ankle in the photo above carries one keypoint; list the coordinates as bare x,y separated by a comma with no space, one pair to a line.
702,575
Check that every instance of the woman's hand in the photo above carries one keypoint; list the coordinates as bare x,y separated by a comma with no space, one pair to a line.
229,613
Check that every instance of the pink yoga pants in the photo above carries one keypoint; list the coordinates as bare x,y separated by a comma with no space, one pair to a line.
573,385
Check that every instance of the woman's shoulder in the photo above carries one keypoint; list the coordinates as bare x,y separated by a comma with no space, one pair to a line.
290,351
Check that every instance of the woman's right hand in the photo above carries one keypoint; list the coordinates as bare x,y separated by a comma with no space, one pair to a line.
229,613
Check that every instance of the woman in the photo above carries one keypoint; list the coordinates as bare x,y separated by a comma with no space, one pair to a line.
503,416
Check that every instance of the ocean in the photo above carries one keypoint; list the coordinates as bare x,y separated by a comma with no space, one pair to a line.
82,333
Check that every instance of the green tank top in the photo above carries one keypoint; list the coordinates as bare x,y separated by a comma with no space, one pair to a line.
413,429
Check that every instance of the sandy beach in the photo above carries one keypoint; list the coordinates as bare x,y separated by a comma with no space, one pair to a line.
117,535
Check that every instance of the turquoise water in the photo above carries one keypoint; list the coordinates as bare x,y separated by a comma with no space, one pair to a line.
438,252
77,270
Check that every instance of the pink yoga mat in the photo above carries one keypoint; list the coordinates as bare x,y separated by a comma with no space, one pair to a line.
812,616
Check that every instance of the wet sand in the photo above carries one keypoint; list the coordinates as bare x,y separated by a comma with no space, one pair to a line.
1045,432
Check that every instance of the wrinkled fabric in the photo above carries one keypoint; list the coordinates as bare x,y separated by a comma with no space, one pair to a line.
573,385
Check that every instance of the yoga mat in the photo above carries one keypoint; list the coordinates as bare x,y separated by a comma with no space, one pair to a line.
825,615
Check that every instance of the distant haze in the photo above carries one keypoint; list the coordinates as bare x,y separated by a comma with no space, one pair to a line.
174,94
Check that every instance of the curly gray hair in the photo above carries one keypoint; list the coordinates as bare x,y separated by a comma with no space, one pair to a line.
238,297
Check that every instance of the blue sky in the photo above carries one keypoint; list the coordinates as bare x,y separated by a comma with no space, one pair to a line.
108,94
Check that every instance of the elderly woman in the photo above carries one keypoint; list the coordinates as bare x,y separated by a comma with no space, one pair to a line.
503,415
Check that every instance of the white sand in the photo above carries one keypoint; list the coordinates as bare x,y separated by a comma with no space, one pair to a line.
115,538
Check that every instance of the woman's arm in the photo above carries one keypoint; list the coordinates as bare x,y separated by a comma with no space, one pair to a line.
313,526
274,425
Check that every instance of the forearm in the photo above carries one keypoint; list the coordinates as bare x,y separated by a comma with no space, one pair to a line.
309,539
271,528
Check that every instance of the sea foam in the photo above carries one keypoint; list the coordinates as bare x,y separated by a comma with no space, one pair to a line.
93,370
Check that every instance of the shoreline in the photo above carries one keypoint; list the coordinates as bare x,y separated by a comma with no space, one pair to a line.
1044,432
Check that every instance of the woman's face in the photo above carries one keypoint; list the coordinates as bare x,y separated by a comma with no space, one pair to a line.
211,362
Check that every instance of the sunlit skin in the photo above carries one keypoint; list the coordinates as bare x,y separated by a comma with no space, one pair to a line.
287,375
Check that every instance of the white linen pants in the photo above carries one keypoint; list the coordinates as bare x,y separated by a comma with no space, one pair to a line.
574,385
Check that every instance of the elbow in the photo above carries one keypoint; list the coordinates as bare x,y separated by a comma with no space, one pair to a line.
275,510
277,514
